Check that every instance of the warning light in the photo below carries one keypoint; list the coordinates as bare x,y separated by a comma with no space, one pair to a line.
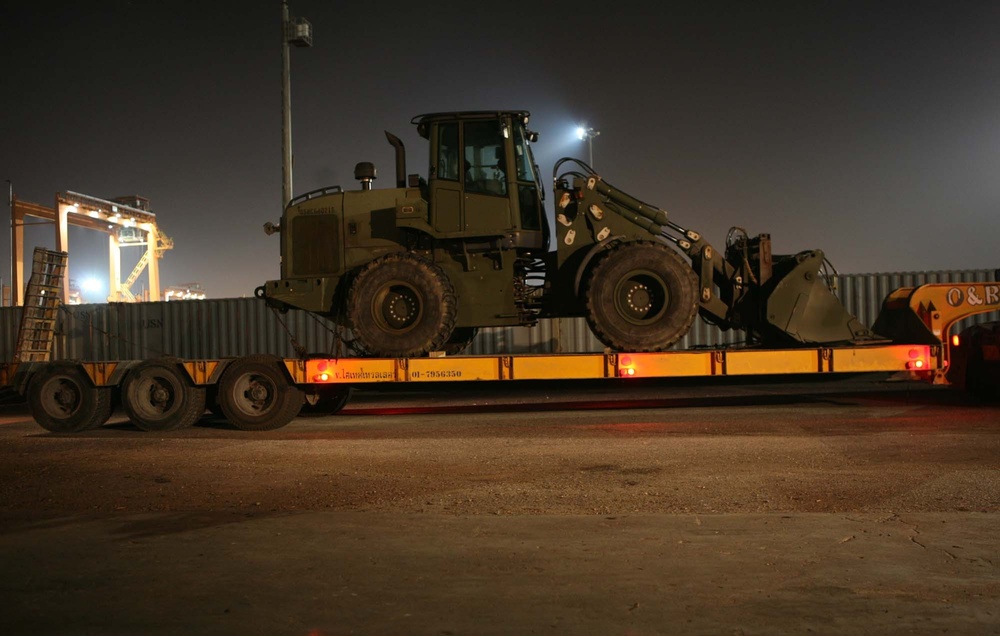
914,354
321,365
321,377
625,368
955,340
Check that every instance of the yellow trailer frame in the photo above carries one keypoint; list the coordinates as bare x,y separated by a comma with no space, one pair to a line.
253,391
673,364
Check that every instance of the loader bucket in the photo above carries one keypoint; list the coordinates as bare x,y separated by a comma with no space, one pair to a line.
801,308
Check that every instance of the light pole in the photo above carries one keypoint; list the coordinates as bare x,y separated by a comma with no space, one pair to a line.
588,133
295,31
10,204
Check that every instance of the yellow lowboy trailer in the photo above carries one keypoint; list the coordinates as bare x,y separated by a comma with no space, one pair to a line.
262,392
674,364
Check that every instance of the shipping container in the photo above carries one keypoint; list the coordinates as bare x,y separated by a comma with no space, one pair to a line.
232,327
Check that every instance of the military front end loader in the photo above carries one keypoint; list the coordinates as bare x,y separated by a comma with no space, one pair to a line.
421,266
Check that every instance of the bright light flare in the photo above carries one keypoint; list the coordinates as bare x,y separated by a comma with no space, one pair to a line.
91,285
581,133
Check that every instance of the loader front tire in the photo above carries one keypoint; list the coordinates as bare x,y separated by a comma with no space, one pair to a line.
641,296
401,306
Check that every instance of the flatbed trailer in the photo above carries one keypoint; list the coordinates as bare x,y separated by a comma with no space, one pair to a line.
262,392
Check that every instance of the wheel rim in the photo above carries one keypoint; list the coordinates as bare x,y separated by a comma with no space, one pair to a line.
254,393
61,397
397,307
641,297
157,397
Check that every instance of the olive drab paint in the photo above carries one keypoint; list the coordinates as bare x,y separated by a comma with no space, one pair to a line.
435,258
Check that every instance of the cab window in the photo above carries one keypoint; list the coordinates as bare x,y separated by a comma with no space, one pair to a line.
448,156
522,157
485,160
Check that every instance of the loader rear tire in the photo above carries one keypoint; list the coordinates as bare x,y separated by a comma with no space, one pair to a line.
641,296
401,306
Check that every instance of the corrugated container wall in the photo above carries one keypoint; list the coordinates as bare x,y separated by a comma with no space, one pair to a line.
241,326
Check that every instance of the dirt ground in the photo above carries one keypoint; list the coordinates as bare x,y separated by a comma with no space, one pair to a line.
850,507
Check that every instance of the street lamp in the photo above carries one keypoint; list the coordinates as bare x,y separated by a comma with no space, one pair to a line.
295,31
588,133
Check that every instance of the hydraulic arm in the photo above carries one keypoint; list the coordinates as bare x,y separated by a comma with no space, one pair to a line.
776,300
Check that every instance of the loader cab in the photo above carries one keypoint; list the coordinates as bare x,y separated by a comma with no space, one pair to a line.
483,181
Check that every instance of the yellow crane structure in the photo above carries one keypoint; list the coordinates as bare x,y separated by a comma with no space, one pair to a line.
126,220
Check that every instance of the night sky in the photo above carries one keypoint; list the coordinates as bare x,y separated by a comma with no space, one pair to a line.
869,130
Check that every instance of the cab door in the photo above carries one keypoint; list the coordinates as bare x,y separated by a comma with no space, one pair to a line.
486,180
445,183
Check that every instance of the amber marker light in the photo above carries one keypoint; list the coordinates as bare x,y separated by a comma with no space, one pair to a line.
625,368
917,358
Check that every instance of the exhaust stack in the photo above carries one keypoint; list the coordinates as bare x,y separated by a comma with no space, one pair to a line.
400,159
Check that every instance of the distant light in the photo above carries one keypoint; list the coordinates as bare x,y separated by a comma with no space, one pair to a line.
91,285
581,133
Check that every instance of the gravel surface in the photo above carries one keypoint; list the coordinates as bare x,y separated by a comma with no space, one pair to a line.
785,507
543,450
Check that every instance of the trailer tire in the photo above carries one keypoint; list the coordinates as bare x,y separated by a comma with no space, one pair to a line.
328,400
641,296
982,377
157,396
62,399
401,306
255,394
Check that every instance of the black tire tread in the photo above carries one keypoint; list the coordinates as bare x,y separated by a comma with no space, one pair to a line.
192,407
672,263
290,400
375,342
94,412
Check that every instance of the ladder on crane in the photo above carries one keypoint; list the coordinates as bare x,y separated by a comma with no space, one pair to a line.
41,306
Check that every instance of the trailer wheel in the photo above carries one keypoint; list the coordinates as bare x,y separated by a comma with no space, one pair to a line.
401,306
327,400
64,400
256,395
157,396
641,296
460,340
